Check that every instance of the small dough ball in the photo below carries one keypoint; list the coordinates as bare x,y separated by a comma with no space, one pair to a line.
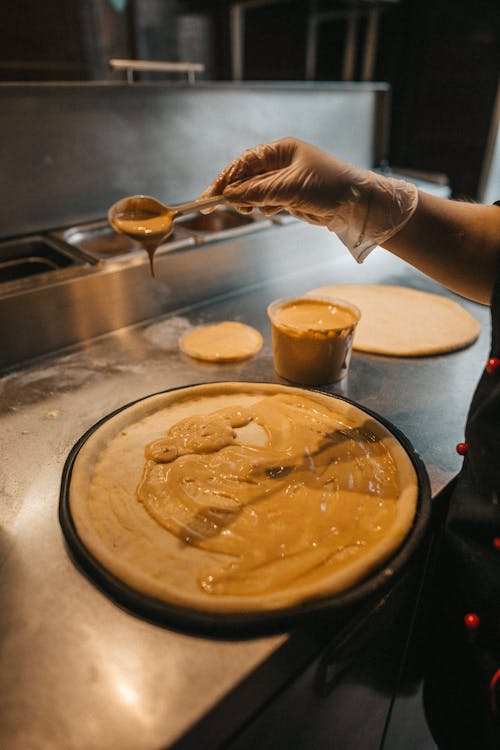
228,341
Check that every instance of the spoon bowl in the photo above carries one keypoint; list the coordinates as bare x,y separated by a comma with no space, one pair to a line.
145,217
141,217
149,221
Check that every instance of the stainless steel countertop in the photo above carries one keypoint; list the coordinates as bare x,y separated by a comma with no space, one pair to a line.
76,670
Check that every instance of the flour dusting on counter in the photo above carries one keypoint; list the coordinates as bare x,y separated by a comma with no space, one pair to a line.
166,333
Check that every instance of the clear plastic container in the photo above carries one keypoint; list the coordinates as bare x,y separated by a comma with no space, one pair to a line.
312,338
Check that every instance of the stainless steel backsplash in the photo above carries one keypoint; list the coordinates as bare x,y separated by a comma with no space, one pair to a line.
70,150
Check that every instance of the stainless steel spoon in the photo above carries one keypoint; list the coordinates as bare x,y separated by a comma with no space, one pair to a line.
149,221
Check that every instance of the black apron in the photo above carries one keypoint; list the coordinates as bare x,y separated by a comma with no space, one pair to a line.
462,680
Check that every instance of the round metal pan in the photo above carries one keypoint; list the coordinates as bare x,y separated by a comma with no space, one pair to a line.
248,624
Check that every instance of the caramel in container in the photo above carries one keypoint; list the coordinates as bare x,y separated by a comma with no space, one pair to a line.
312,338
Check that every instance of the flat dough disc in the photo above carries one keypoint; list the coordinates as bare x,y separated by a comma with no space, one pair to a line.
402,322
127,541
228,341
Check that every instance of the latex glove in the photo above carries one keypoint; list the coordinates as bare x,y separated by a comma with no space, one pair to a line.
363,208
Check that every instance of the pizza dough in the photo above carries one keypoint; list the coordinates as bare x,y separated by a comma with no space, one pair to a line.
236,497
402,322
228,341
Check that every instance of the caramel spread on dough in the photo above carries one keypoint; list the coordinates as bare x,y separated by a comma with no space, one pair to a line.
224,342
291,505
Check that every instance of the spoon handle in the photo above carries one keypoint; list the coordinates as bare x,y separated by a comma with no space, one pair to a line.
197,205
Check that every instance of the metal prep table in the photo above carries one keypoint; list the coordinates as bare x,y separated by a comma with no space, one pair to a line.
79,673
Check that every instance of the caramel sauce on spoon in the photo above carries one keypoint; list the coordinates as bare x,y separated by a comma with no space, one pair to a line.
150,222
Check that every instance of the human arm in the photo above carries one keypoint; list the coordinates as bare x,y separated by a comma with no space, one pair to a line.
456,243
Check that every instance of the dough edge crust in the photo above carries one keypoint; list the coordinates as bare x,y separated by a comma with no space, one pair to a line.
163,589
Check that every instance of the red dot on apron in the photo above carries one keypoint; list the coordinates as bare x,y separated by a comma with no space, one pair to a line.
471,621
492,365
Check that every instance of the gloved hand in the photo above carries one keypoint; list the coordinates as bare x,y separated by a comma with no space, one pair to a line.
363,208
